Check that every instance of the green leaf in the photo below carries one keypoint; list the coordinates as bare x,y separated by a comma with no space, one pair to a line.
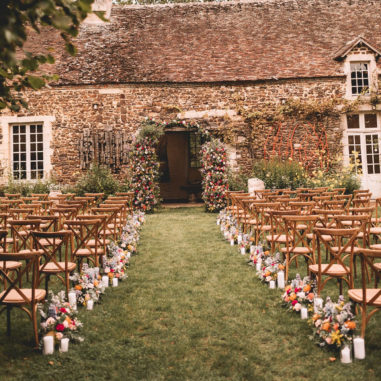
35,82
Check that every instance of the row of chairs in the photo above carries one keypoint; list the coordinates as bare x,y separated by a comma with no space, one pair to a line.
55,243
309,229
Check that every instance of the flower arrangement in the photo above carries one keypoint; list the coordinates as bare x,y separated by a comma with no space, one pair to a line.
214,183
59,319
333,325
300,293
115,263
87,285
270,267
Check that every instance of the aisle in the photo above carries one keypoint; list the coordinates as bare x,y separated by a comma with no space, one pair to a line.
191,309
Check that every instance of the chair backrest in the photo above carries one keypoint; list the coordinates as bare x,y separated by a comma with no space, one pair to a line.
21,233
53,245
20,213
11,283
48,223
342,239
12,195
41,196
86,235
3,240
360,222
3,220
64,213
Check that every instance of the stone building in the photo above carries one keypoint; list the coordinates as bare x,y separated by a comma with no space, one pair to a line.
226,65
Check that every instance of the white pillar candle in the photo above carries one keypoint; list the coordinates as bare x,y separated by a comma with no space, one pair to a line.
239,239
96,272
73,300
345,355
280,279
222,228
64,347
114,282
231,242
272,284
105,280
252,249
243,250
318,304
359,348
258,265
304,313
218,221
226,234
90,304
48,342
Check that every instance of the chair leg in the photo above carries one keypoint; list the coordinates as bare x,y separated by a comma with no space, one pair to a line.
47,283
34,322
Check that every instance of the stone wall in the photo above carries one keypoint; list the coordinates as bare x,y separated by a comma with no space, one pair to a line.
123,107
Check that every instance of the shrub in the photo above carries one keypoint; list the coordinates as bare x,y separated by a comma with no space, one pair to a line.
237,180
278,174
26,188
98,179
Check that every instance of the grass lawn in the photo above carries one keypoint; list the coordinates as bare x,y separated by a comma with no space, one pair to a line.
191,309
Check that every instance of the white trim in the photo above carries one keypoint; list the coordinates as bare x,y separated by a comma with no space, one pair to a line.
5,145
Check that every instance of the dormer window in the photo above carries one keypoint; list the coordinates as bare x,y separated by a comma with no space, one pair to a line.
359,57
359,78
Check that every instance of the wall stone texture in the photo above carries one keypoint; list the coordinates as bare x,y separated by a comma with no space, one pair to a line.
123,107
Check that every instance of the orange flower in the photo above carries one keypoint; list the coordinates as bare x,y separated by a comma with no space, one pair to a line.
78,287
292,296
267,273
316,317
336,326
267,252
96,283
326,326
281,267
111,275
350,324
288,287
311,296
307,288
251,239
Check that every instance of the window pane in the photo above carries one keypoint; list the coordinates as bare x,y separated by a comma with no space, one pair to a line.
370,120
353,121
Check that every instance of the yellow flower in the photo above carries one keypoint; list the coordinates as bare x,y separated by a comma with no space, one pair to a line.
336,337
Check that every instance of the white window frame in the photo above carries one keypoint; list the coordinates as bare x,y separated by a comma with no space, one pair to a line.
6,158
373,74
362,131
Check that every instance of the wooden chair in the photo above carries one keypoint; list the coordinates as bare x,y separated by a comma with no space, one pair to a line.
367,297
278,230
262,224
63,214
48,223
40,196
336,268
298,244
56,261
86,242
12,266
111,223
21,234
97,196
15,296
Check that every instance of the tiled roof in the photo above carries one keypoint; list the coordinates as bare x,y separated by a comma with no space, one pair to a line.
218,42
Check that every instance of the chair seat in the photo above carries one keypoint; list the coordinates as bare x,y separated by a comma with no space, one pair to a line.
356,295
87,252
265,227
350,223
51,267
377,266
107,232
11,265
348,250
14,297
252,222
297,250
26,251
278,238
334,270
301,226
91,242
375,230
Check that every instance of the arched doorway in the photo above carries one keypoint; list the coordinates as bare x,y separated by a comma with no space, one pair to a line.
179,156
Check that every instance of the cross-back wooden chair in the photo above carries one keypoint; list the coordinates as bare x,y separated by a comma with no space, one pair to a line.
129,197
304,207
12,266
334,204
260,212
41,196
48,223
339,191
21,234
125,209
336,268
278,229
298,243
102,238
249,220
56,259
366,297
319,200
3,220
111,221
20,213
15,296
63,214
29,200
347,198
99,197
88,201
330,193
86,241
12,195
